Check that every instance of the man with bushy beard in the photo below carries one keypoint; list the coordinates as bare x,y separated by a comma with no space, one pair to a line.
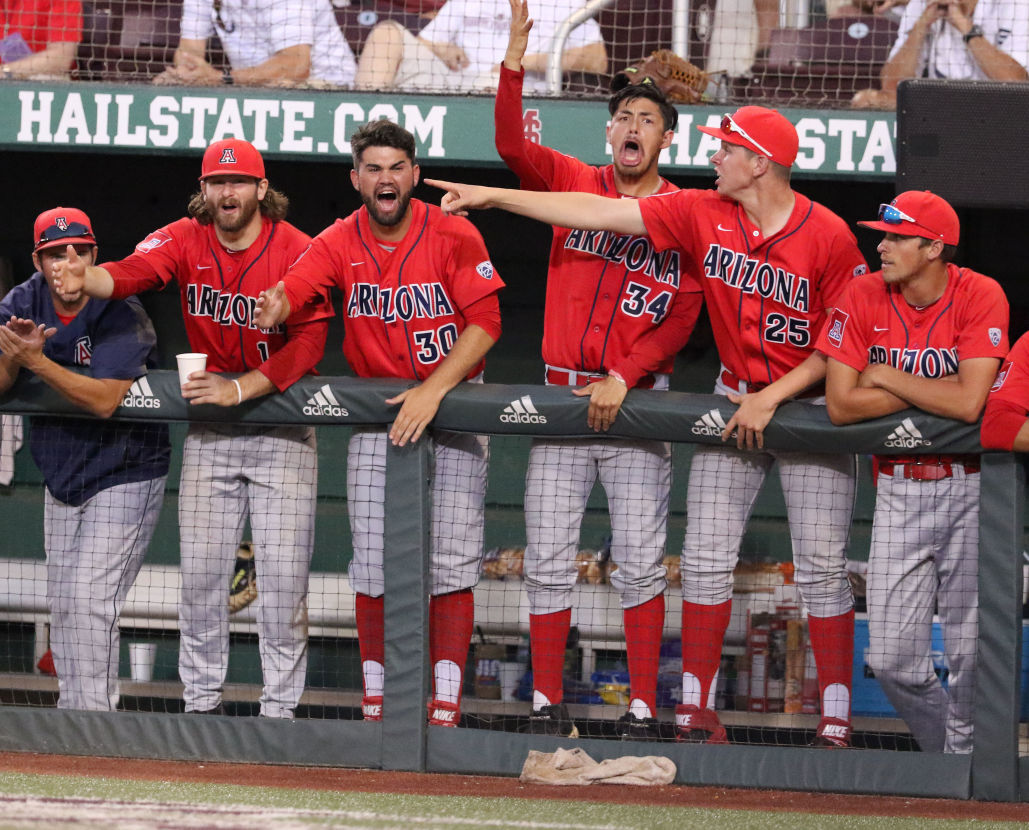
234,244
420,303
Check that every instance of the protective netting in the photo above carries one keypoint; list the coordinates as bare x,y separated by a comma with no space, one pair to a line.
816,53
558,590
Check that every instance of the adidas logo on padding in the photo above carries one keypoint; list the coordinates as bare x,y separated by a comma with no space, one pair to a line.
323,402
907,436
141,396
522,411
711,423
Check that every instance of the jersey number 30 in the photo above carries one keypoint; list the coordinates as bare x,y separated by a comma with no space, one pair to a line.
435,344
782,329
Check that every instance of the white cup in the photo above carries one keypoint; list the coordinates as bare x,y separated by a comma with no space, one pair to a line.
188,363
510,676
141,661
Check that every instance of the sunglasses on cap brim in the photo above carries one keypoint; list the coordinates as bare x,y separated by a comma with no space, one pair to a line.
729,126
56,234
893,215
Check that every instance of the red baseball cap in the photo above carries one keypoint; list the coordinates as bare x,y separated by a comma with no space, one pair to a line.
232,157
918,213
764,131
62,226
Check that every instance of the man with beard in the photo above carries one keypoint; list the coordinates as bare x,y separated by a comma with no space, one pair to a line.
612,322
420,300
234,244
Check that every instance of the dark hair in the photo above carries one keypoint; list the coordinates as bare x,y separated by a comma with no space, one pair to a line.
628,94
274,205
381,133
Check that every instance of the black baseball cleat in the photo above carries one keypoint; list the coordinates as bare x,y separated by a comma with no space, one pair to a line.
552,719
631,728
217,710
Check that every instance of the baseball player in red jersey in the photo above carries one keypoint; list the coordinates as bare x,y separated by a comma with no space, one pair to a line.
234,245
420,300
921,332
773,263
1005,425
616,315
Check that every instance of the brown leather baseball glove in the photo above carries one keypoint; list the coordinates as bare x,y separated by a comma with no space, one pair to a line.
679,80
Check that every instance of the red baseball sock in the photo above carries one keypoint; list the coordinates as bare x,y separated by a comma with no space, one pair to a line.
370,628
643,626
548,634
451,619
703,630
832,641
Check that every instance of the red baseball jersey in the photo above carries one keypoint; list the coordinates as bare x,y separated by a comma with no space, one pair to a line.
219,290
767,297
403,308
1008,405
872,323
613,302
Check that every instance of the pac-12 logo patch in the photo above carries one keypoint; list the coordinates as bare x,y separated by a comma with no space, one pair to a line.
861,269
153,242
1002,376
228,156
837,324
994,336
485,269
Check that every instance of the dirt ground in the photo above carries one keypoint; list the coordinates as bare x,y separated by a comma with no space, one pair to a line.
323,778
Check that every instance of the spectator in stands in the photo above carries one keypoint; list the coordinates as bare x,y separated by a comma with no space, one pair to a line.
104,479
39,37
267,43
460,50
986,40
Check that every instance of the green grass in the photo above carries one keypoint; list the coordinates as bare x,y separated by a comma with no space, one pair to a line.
117,803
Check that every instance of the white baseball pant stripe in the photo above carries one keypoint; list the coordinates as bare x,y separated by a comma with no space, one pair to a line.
636,476
93,555
228,473
459,462
925,551
819,490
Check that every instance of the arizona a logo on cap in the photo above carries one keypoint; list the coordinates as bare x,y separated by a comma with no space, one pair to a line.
228,156
62,223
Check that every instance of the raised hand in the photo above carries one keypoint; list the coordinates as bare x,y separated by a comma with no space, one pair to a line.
272,307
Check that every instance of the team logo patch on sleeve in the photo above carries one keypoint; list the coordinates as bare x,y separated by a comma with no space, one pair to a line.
837,324
1002,376
153,242
994,336
485,269
861,269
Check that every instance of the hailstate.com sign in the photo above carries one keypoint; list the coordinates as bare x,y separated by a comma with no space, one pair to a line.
317,125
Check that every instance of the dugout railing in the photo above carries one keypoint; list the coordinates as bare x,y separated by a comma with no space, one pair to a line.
403,741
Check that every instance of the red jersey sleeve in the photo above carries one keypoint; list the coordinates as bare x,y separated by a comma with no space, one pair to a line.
485,314
843,263
842,338
666,218
1008,404
313,274
470,274
984,330
153,264
537,167
651,351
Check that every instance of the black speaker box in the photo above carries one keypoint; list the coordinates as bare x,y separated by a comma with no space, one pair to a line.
965,140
